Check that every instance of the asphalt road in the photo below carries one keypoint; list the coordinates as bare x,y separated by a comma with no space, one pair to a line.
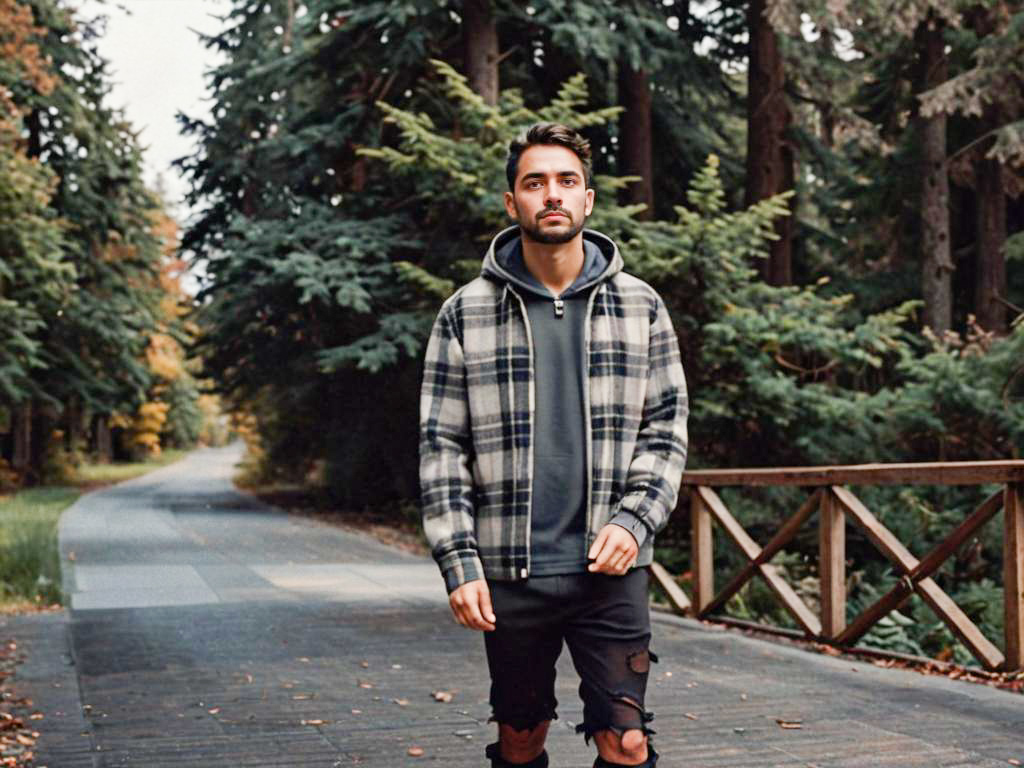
206,629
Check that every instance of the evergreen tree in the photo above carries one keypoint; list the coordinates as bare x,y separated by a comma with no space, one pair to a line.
80,264
992,159
34,275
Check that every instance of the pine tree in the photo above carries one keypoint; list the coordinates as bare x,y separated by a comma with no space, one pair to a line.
35,276
991,162
82,203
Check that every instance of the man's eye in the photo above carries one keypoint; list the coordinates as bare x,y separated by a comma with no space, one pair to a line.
570,182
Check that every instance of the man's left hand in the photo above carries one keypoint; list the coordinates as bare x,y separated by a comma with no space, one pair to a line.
613,551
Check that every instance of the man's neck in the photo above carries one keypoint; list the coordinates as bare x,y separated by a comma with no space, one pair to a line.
556,266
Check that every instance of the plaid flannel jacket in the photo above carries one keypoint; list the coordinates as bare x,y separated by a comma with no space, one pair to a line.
476,420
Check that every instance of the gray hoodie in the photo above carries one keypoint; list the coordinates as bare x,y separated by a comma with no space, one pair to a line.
557,324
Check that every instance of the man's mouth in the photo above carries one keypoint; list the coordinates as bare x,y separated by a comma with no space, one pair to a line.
550,214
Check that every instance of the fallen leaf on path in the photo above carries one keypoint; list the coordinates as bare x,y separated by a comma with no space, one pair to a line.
445,696
690,716
401,702
214,711
790,724
1012,761
302,696
415,751
314,722
365,684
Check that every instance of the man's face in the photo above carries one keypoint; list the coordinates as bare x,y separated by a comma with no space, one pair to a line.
550,199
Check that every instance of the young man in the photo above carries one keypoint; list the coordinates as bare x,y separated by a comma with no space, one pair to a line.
553,438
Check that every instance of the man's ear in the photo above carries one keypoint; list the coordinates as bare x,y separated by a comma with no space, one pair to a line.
510,206
589,207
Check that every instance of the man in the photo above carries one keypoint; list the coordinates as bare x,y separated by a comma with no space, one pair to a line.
553,438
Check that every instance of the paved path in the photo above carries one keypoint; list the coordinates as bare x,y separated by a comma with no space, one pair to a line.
207,630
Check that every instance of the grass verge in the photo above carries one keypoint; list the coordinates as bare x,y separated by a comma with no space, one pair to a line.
29,557
91,476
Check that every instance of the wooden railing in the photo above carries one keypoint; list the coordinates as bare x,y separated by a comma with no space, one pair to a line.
834,504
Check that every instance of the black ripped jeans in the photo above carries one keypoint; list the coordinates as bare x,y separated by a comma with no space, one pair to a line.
606,623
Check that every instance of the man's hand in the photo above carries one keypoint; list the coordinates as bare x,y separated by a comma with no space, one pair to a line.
613,551
471,605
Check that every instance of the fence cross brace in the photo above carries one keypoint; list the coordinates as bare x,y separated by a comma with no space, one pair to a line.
916,577
758,558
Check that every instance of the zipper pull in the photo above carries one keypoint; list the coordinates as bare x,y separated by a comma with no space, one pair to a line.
559,308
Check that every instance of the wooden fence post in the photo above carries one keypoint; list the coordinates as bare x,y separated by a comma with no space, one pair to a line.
832,565
702,553
1013,575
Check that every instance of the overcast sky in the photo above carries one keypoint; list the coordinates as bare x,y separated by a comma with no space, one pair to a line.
157,63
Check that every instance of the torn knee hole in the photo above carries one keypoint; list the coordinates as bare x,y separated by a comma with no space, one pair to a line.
632,740
633,706
627,715
640,661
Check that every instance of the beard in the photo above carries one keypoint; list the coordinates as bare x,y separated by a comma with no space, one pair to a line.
533,231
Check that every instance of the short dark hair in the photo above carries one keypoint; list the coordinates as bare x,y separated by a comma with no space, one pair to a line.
547,134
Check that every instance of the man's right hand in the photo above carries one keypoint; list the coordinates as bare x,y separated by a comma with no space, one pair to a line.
471,605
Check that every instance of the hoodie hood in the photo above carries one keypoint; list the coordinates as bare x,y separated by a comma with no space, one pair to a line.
496,264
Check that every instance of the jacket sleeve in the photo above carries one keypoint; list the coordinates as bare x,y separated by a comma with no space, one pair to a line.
446,482
655,471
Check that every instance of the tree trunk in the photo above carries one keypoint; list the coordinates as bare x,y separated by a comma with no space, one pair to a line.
936,259
104,444
769,153
635,137
826,109
21,426
35,134
73,427
480,38
44,418
289,24
990,275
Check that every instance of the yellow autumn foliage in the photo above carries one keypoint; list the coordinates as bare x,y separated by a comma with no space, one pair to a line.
145,428
215,424
164,357
118,419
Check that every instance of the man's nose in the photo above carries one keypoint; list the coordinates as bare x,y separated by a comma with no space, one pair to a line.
553,195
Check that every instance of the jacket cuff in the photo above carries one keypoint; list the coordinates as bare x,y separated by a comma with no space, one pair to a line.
633,524
461,567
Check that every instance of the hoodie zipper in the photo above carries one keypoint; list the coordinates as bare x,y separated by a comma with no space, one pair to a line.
525,572
586,414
